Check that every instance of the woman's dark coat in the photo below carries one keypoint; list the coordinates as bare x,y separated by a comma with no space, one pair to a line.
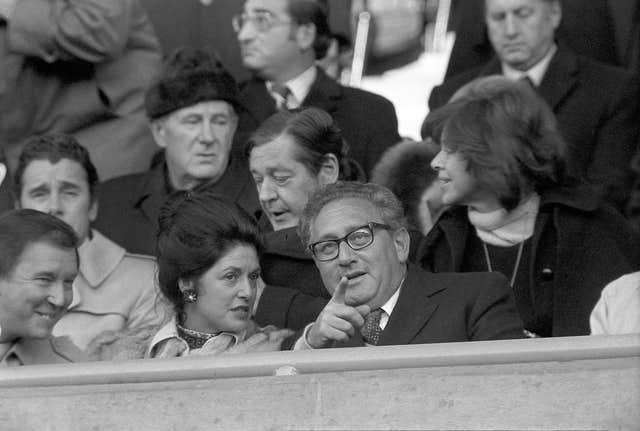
578,245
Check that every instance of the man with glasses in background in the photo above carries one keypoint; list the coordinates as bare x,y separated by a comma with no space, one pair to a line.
280,41
358,238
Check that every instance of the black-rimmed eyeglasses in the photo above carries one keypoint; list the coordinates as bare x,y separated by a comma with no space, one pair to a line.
261,21
357,239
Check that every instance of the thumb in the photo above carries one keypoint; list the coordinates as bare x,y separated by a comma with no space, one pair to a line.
339,293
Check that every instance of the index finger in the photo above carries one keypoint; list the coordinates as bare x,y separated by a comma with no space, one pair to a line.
339,293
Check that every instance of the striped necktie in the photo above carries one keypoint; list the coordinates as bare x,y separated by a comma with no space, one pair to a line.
283,92
371,329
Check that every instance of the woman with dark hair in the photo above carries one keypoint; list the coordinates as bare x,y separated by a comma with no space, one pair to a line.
501,166
291,155
208,269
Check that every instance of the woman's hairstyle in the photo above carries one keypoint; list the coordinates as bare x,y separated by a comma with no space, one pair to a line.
316,135
21,228
197,228
507,134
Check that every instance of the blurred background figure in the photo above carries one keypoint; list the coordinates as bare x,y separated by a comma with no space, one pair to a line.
501,168
38,264
193,110
114,289
82,68
280,42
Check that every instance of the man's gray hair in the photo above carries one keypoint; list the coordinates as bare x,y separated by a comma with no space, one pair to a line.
380,197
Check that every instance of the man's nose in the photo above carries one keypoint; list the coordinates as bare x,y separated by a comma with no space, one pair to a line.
206,133
58,295
53,204
246,32
266,191
511,25
346,254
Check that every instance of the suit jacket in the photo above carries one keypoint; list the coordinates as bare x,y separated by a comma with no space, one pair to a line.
294,294
80,68
597,110
368,121
443,308
578,246
130,205
114,290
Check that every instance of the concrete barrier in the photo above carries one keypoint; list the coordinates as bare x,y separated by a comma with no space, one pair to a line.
572,383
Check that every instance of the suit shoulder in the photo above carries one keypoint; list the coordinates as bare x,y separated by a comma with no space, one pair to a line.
440,94
472,282
142,262
123,185
368,96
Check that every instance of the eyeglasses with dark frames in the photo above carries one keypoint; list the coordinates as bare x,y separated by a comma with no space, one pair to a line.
357,239
261,21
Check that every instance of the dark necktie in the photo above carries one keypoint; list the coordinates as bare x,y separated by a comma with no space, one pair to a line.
284,92
528,81
371,329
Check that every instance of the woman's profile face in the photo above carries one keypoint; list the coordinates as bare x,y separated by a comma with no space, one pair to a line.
284,184
225,293
459,186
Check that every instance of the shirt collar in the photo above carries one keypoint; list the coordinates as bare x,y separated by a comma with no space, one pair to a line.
170,330
389,306
535,73
299,87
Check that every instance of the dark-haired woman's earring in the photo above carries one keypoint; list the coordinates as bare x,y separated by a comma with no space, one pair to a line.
190,296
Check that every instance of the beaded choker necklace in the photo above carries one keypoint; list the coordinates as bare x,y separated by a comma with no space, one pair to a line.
194,339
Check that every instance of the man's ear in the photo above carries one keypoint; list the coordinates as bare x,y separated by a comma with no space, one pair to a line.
329,170
93,209
185,284
305,35
3,172
158,132
402,242
555,14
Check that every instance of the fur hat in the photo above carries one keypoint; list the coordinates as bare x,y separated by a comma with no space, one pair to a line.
190,76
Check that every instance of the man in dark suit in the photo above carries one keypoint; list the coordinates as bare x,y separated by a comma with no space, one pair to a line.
596,104
280,41
193,114
360,244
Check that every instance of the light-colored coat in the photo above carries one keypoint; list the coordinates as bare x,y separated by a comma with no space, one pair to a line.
114,291
79,67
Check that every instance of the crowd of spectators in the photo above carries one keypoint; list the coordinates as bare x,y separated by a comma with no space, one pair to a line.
285,212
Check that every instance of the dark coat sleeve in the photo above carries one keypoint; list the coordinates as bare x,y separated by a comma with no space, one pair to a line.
493,314
287,307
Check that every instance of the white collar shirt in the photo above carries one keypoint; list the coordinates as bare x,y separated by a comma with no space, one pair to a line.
535,73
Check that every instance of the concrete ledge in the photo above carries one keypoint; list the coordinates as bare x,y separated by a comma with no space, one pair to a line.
576,383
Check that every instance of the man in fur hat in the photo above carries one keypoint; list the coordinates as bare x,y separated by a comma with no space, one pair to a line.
193,111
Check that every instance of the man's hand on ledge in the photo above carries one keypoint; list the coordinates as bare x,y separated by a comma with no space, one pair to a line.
338,321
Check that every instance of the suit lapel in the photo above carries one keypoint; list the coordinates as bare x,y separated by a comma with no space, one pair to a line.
325,93
152,195
257,101
413,310
560,78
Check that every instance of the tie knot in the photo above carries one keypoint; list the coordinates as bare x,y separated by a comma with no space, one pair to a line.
371,329
281,90
527,80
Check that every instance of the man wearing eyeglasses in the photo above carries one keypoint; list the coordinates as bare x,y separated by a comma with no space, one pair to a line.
359,241
280,41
